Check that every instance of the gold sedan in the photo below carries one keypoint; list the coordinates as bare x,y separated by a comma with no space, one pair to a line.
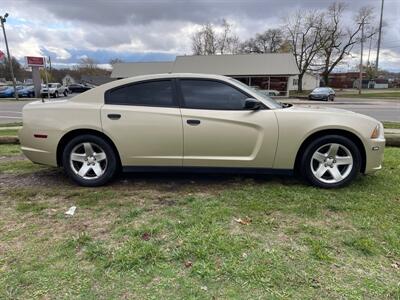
197,122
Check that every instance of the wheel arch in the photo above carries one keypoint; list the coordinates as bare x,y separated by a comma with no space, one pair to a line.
76,132
342,132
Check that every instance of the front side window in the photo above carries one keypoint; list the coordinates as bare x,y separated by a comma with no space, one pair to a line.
210,94
150,93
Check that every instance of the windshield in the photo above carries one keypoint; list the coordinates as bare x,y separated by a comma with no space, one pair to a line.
321,90
271,102
52,85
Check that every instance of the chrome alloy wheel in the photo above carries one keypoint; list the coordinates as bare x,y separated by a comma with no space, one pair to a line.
331,163
88,160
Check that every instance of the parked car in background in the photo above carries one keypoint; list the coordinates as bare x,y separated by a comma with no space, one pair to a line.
78,88
197,122
270,93
54,89
322,93
8,91
27,91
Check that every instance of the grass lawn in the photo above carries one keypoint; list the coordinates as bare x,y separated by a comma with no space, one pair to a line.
391,125
180,237
8,132
383,95
11,124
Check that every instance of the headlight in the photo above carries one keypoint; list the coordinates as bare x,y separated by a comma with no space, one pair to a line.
378,132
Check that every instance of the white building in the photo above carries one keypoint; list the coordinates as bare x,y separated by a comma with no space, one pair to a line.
270,71
310,82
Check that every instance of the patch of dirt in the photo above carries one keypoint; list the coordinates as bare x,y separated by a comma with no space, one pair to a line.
162,183
5,159
51,177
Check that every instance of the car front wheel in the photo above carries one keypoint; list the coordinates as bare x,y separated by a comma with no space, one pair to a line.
89,160
331,161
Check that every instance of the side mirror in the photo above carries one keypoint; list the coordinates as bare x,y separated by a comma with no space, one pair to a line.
252,104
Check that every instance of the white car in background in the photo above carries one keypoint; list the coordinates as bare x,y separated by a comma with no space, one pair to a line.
271,93
54,89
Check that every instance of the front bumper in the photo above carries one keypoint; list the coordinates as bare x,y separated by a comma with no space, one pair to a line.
317,97
374,155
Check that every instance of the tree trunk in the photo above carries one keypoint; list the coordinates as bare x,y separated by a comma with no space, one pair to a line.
325,76
300,83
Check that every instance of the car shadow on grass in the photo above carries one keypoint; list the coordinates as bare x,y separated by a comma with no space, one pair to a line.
55,177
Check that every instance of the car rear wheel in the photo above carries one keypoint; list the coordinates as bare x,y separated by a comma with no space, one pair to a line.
331,161
65,93
89,160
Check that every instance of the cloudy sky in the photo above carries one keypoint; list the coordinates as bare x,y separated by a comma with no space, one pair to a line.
155,30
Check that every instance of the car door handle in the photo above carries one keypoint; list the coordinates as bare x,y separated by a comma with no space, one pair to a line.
193,122
114,116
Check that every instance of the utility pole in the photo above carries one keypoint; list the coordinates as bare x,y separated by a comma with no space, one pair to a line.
379,38
2,21
361,57
369,52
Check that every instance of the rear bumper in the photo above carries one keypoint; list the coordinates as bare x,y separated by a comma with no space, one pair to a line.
374,155
39,150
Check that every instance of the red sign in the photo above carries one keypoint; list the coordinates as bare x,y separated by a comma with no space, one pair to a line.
2,55
35,61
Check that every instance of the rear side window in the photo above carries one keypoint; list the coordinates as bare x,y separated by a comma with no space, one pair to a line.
150,93
210,94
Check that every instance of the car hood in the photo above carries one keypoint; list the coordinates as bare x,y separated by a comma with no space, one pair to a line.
327,110
313,108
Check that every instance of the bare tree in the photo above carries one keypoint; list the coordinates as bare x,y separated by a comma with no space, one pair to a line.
87,63
304,31
227,41
211,39
88,66
114,61
339,41
269,41
204,41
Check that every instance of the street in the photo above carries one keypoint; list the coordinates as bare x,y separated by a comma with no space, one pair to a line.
382,110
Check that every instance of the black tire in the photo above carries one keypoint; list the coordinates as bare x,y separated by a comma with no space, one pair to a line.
65,93
112,163
305,162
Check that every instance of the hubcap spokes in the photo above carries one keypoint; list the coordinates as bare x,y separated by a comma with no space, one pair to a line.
88,160
331,163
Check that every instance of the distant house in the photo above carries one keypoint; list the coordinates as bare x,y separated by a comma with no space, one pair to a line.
268,71
381,83
95,80
343,80
350,80
67,80
310,82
